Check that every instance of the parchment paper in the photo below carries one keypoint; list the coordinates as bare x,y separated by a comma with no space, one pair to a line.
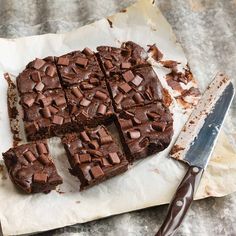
149,182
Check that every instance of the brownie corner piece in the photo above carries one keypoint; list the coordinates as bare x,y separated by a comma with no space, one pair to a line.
38,76
145,130
94,156
31,167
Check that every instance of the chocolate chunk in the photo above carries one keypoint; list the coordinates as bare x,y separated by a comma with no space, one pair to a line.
94,144
53,110
125,87
86,86
57,120
39,87
106,139
76,159
76,92
51,71
82,61
38,63
40,178
46,112
153,115
137,80
29,101
29,156
126,124
105,162
118,98
95,153
134,134
45,101
35,76
42,149
85,102
63,61
148,93
88,52
60,100
125,65
138,98
159,126
101,95
108,64
85,158
128,76
44,159
114,158
102,109
96,172
136,121
84,136
127,114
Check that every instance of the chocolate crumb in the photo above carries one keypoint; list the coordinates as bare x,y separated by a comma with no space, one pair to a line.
110,23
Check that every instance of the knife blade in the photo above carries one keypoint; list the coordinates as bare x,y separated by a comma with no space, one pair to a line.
195,145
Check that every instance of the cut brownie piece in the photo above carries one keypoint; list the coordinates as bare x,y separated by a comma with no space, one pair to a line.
40,75
78,66
135,88
45,114
145,130
90,103
115,60
31,168
94,156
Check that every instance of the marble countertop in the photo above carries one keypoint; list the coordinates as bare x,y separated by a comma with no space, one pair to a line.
207,31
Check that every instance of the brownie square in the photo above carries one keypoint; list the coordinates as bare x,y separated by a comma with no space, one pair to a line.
45,114
94,156
78,66
145,130
115,60
31,168
135,87
39,75
89,103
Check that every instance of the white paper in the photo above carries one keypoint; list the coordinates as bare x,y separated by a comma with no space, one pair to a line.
149,182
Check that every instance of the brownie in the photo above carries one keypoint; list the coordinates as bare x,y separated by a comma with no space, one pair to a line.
45,114
115,60
94,156
135,87
31,168
145,130
38,76
89,103
78,66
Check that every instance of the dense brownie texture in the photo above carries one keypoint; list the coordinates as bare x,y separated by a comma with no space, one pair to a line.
39,75
94,156
145,130
31,168
45,114
135,87
78,66
89,103
115,60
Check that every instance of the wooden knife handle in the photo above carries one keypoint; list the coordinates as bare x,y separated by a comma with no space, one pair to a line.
181,201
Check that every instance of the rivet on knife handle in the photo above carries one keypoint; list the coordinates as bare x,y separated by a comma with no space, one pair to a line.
181,201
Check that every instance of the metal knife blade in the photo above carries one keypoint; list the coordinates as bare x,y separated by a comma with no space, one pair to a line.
198,136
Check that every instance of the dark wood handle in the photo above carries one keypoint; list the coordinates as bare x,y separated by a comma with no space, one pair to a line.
181,201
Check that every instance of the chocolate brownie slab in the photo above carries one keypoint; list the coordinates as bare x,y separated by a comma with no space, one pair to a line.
135,87
31,168
78,66
45,114
115,60
39,75
89,103
145,130
94,156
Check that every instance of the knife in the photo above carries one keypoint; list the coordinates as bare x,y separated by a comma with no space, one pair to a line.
194,147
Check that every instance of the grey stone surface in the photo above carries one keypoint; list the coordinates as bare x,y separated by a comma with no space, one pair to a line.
207,31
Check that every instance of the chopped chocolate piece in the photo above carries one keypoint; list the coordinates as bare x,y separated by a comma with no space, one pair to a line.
114,60
128,76
97,165
63,61
42,149
47,116
39,75
80,66
88,52
148,132
90,107
155,52
38,176
144,88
